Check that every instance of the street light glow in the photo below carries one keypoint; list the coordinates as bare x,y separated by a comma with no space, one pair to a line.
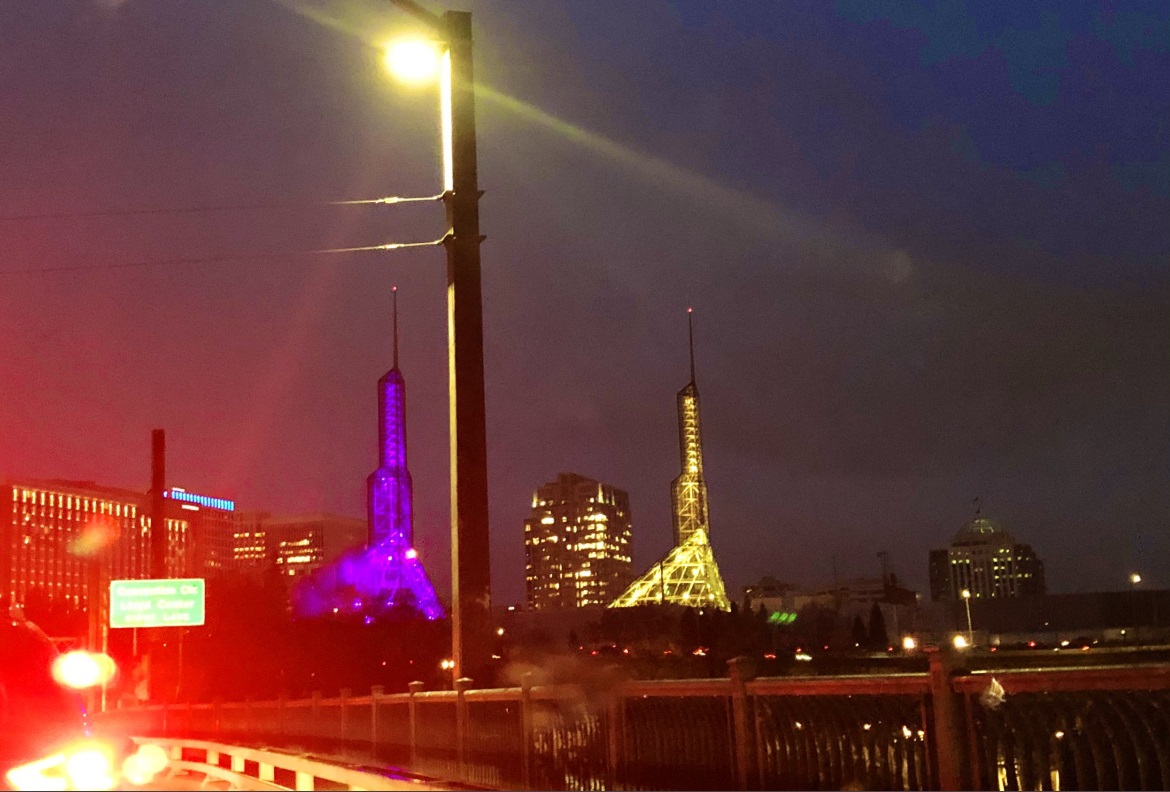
960,642
412,60
80,669
966,593
1135,578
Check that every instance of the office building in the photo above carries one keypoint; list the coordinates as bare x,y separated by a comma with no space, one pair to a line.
212,531
300,544
987,561
62,540
249,550
577,543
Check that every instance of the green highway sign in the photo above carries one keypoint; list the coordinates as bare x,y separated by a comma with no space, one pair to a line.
176,602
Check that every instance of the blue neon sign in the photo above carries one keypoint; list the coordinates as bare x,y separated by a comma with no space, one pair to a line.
200,500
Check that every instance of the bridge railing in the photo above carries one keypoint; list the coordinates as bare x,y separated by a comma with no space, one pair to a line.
1040,729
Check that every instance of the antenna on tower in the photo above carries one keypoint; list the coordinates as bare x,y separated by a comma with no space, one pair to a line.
691,338
394,292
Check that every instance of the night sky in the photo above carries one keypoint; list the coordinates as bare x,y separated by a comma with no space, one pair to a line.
927,252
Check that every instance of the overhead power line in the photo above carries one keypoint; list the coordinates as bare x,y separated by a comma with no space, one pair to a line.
181,260
253,207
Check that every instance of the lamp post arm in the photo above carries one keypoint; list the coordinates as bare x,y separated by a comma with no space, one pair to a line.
418,12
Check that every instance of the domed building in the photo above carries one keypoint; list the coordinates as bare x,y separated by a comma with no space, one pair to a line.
987,561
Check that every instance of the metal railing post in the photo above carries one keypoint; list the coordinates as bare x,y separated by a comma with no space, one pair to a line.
616,732
461,686
376,693
344,718
741,670
314,713
947,726
526,730
412,706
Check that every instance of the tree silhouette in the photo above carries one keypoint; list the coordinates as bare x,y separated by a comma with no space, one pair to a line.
878,638
688,629
859,636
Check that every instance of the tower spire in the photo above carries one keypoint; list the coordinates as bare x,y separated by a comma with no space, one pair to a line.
394,291
691,338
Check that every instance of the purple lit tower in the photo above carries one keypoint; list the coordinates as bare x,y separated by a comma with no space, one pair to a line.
393,565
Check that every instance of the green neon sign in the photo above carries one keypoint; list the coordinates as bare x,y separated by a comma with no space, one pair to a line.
779,617
174,602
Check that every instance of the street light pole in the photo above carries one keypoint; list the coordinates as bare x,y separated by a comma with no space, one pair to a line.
471,570
967,602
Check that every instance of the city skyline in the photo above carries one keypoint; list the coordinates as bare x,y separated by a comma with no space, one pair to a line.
929,262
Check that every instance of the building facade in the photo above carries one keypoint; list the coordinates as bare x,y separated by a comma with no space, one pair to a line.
249,548
211,531
577,544
61,541
986,561
298,545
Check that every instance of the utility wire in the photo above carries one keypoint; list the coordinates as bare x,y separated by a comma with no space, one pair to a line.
220,259
388,200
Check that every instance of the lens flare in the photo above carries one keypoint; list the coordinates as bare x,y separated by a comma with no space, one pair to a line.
33,776
90,768
95,536
86,765
153,758
143,765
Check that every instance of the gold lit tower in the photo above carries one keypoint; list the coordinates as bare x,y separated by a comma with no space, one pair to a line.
688,575
689,490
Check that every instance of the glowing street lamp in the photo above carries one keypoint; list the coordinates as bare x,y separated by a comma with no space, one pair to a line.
449,57
966,594
1134,578
412,60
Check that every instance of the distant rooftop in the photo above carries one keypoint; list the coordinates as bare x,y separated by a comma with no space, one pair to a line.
982,531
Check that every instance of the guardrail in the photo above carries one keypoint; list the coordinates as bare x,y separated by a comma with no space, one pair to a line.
945,729
250,768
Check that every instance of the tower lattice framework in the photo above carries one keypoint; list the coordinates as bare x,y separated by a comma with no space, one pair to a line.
688,575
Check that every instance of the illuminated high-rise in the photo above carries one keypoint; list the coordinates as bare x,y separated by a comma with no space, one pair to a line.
60,539
211,531
576,543
688,575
